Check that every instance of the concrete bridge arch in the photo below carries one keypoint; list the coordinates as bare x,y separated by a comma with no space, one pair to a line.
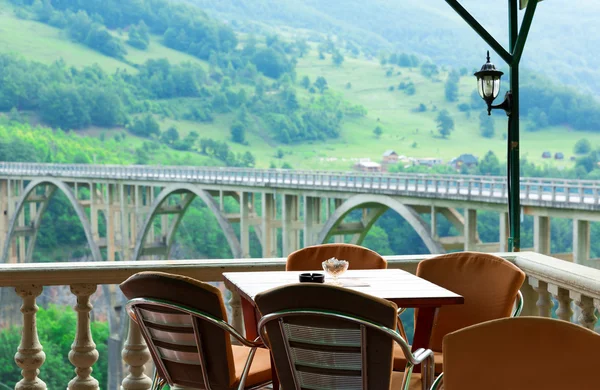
376,205
33,227
160,206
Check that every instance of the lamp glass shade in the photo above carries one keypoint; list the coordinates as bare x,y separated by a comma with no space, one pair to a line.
488,87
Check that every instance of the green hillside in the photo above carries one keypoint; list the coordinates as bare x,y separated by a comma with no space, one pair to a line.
357,82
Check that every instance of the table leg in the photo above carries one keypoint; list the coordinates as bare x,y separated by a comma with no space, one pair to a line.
423,329
251,317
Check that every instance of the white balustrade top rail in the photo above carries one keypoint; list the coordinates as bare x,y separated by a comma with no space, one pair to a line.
546,192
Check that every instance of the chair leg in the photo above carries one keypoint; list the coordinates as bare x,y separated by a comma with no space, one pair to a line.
157,382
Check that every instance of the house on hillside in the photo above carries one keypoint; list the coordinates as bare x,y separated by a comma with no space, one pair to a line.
367,166
390,157
546,154
464,160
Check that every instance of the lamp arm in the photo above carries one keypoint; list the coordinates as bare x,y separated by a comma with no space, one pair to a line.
506,105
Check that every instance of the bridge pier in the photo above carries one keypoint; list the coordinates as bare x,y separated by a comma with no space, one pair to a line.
504,232
541,234
269,230
581,241
470,230
312,219
245,203
290,215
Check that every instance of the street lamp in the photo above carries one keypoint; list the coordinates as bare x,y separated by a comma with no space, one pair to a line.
488,86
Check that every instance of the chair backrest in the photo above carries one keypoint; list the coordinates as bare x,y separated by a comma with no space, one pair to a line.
185,347
322,350
523,353
311,257
488,283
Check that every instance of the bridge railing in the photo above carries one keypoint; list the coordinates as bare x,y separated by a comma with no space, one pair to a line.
549,280
432,185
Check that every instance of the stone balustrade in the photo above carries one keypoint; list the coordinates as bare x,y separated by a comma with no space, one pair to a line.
573,287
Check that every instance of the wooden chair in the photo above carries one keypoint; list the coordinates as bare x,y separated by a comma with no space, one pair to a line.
184,324
311,257
329,337
526,353
489,284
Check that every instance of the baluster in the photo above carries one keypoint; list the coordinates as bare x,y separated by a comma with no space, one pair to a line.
587,316
83,353
30,355
563,311
544,304
135,353
237,318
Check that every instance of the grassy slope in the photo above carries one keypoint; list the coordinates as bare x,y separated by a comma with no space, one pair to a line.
42,43
370,88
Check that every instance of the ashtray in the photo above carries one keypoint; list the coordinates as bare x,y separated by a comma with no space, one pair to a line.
312,278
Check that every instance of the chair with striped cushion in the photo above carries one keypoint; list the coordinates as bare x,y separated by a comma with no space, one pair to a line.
328,337
184,324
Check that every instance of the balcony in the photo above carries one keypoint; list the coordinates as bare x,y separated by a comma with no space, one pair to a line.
553,287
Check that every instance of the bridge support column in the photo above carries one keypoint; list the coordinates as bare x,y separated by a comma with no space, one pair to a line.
290,217
541,234
470,229
504,232
337,203
245,201
434,222
312,213
269,214
581,241
4,215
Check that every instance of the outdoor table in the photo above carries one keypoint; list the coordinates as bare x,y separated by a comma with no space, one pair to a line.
398,286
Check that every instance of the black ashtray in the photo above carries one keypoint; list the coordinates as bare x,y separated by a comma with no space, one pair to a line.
312,278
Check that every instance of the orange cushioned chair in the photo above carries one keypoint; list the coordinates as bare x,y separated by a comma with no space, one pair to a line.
184,324
489,284
311,257
329,337
526,353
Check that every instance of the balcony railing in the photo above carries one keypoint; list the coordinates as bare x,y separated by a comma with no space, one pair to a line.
569,284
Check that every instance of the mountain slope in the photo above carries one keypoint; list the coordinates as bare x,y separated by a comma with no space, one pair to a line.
561,42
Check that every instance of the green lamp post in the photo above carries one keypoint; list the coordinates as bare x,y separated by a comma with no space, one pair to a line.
488,85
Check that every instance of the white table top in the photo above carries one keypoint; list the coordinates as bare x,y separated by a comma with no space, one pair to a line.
401,287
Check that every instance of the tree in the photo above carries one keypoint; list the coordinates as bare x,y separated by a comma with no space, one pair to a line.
238,132
451,90
337,58
490,165
321,84
486,125
378,131
248,160
583,146
271,63
305,83
151,126
445,123
170,136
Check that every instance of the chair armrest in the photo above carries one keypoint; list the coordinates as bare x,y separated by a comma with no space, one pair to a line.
400,324
518,305
439,382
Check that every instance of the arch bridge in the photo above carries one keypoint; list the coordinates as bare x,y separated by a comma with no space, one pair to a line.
133,212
